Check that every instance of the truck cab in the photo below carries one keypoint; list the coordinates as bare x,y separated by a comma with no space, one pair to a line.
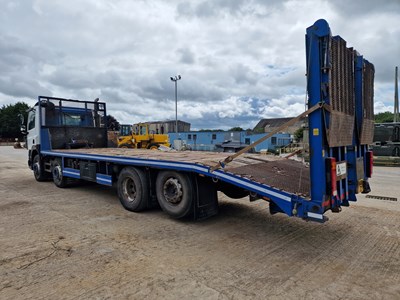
55,123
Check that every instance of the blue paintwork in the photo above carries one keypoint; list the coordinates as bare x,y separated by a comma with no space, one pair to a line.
315,80
354,150
73,173
104,179
358,85
45,139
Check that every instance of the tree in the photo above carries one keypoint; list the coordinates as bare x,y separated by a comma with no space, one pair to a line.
298,134
112,123
385,117
236,129
10,123
210,130
259,130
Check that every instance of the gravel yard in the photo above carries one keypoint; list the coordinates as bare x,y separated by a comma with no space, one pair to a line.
79,242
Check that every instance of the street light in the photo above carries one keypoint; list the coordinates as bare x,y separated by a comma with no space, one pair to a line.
175,79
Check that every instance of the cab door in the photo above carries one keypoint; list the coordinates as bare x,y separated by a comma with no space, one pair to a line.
33,137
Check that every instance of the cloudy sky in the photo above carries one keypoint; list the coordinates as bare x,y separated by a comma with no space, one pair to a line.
240,60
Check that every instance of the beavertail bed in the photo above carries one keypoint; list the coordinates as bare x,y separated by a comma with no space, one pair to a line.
282,174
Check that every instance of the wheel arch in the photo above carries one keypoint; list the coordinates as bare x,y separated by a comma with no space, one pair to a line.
31,154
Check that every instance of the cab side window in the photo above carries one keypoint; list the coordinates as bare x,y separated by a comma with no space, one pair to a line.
31,121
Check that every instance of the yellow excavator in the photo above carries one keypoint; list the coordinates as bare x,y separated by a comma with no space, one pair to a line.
138,136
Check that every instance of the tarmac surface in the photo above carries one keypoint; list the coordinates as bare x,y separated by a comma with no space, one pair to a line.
79,242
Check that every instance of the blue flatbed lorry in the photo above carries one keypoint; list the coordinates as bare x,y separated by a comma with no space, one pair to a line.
67,141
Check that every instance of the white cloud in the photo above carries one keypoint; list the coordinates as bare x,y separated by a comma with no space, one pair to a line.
380,107
240,60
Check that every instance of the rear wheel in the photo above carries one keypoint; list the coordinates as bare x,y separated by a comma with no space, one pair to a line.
38,170
133,189
174,193
56,171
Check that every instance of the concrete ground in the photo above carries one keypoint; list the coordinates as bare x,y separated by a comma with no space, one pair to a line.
79,242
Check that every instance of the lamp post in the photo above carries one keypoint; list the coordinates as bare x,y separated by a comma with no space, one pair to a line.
175,79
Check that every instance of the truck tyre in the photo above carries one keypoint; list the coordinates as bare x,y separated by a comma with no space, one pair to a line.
153,146
38,170
58,177
133,189
174,193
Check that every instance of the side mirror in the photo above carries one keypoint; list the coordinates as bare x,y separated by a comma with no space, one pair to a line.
21,119
23,129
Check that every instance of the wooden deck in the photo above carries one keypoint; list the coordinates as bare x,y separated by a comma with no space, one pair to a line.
283,174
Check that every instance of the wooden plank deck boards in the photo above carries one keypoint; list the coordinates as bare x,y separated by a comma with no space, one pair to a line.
283,174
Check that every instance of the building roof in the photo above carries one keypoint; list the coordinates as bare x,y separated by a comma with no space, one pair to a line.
167,121
276,122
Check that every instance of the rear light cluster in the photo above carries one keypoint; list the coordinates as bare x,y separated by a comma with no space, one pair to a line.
330,164
369,163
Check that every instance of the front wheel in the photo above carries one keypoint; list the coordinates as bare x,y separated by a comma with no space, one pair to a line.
153,146
174,193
